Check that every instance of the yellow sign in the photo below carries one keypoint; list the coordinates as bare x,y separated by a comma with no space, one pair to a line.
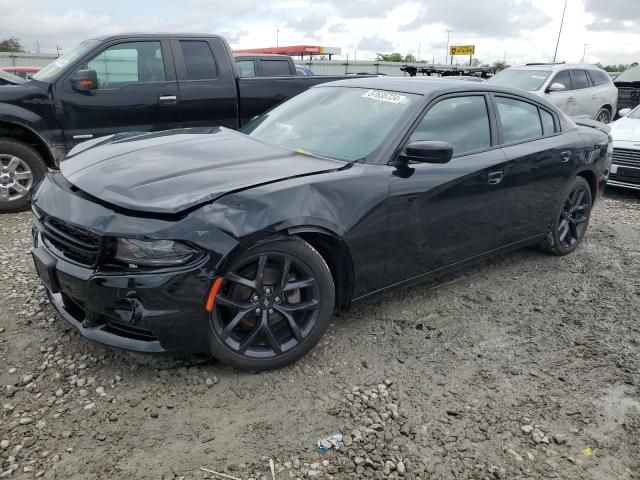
462,50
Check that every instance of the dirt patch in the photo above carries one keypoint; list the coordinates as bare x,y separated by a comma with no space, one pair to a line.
525,367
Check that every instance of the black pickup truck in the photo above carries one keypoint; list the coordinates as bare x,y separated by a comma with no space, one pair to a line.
128,82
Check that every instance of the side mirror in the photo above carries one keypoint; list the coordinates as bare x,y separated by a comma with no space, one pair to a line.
85,80
428,152
624,112
556,87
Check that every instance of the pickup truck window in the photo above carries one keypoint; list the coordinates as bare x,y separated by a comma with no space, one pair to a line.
127,63
51,71
198,60
246,68
274,68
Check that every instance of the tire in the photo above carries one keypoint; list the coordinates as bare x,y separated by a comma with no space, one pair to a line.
570,218
264,321
603,115
14,192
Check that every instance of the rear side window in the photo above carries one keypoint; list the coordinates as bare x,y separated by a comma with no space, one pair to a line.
246,68
198,60
599,77
564,78
520,120
274,68
548,127
462,122
580,79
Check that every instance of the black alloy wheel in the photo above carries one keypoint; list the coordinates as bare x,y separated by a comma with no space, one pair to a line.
572,218
273,306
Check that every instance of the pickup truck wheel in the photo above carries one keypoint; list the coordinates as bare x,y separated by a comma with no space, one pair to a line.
21,167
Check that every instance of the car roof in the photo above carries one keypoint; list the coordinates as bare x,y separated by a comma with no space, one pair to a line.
427,86
556,66
154,36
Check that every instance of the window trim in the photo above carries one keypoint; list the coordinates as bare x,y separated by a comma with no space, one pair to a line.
493,133
167,60
556,122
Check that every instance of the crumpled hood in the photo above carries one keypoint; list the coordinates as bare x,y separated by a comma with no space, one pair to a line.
168,172
626,129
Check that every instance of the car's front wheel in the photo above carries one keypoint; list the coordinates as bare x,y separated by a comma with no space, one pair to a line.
571,218
603,115
272,306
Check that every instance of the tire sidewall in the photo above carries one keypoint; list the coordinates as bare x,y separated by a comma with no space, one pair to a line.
35,162
302,252
558,248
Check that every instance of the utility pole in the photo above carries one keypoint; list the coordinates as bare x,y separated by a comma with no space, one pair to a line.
446,54
277,37
584,52
560,31
418,57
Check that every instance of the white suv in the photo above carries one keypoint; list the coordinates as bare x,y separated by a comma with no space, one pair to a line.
575,89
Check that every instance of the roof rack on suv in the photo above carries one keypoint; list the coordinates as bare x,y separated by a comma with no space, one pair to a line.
545,63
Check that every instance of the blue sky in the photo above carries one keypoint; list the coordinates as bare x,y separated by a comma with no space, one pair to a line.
518,30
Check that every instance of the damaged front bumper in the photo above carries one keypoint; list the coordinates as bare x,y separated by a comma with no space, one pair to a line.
150,310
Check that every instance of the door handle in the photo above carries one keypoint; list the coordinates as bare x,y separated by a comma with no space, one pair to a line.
565,156
572,99
167,99
495,177
594,97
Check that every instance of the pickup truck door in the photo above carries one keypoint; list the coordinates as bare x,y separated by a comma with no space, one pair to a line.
206,81
137,91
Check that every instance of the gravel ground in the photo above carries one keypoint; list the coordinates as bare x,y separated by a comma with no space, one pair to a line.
525,367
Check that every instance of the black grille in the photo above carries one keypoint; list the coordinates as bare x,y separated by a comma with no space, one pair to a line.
129,331
628,97
74,243
624,156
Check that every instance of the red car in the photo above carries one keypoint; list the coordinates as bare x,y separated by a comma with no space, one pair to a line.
24,72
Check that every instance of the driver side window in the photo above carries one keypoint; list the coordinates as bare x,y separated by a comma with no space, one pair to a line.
128,63
462,122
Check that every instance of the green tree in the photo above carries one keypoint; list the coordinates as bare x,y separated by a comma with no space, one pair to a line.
500,65
11,44
395,57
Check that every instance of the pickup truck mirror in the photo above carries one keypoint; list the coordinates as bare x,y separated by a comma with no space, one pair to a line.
85,80
428,152
556,87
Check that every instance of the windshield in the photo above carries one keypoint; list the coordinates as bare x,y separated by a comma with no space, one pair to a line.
51,71
530,80
635,113
629,75
337,122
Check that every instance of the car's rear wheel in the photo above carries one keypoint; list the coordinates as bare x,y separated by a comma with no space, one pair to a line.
21,167
571,218
273,306
603,115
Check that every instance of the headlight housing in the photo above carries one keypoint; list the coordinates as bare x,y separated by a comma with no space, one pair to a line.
152,253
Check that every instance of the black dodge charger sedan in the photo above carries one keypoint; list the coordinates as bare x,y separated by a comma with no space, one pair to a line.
243,245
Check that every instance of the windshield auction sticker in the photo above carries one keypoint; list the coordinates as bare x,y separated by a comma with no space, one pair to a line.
384,96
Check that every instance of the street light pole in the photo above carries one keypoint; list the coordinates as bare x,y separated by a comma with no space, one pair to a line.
446,55
584,52
560,31
277,37
418,57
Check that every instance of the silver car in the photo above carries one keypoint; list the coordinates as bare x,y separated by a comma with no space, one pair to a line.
575,89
